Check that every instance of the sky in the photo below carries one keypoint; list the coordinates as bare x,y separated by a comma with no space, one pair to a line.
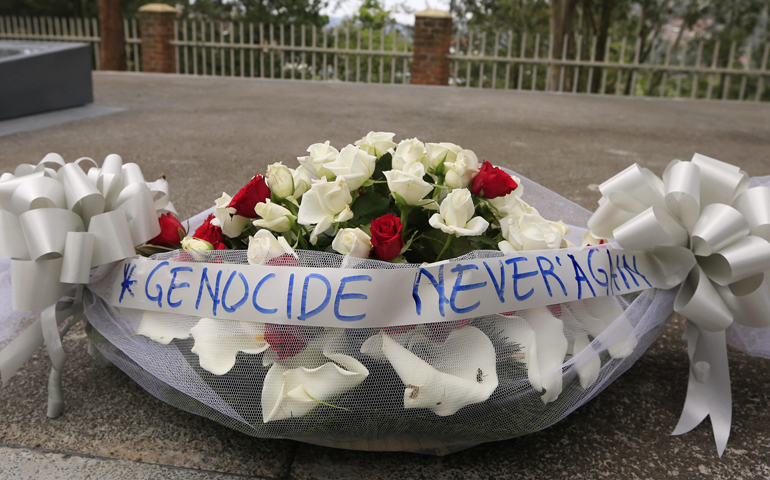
346,8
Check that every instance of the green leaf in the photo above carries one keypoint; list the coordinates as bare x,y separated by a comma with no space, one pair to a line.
149,250
384,164
367,207
483,243
435,240
400,200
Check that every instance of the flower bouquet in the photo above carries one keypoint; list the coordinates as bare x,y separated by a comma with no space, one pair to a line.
385,296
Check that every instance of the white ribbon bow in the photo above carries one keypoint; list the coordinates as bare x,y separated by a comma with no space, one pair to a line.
703,205
56,223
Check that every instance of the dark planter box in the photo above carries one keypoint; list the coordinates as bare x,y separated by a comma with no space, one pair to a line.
38,77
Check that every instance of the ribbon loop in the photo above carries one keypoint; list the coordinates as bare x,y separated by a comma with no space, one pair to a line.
740,260
682,183
653,227
729,227
754,205
718,226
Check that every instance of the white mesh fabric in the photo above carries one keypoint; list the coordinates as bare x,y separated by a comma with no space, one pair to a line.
12,322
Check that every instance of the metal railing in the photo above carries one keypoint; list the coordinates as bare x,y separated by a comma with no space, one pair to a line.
293,52
86,30
664,68
696,69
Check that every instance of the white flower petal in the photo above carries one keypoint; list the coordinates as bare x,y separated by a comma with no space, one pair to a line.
462,371
217,342
585,359
546,352
293,391
164,327
605,320
311,210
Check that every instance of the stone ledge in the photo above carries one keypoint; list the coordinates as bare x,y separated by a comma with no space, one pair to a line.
157,8
432,13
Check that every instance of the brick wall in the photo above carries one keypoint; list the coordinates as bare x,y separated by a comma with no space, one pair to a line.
112,48
156,22
432,36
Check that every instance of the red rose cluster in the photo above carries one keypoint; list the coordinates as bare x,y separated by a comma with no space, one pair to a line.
492,182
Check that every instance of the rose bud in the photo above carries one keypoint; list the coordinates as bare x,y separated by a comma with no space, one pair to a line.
254,192
492,182
211,234
286,340
386,236
280,180
171,232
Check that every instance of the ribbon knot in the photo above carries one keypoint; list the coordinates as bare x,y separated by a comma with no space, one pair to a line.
57,222
701,217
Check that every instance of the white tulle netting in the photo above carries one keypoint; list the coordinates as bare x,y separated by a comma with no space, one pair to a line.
432,388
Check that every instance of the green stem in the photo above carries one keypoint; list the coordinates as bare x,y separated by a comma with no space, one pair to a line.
449,239
291,208
405,216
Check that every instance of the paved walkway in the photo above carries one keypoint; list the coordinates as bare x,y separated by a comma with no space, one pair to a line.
209,135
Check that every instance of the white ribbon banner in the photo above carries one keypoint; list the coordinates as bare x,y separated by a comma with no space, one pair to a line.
362,298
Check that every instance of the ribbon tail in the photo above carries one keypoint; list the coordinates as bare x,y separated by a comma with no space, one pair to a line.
708,389
50,319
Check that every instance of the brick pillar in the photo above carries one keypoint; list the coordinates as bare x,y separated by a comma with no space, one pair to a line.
112,46
156,23
432,35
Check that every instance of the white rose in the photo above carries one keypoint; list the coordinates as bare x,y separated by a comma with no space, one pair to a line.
512,203
532,232
354,165
189,243
280,180
320,155
302,182
232,225
324,204
274,217
409,151
460,172
353,242
377,143
409,183
438,152
263,246
456,215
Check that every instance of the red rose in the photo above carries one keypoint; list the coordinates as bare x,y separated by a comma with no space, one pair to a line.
492,182
211,234
254,192
171,232
287,340
386,236
285,260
